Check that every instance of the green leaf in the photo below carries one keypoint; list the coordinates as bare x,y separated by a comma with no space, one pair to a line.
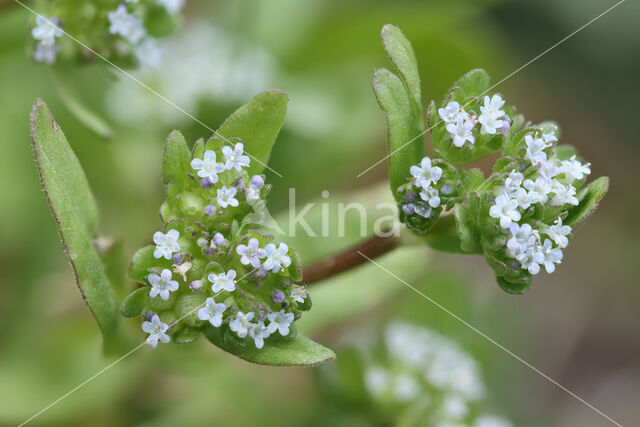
474,83
113,260
277,351
176,161
443,236
406,147
257,124
76,214
401,54
467,216
514,287
295,269
136,303
589,202
142,259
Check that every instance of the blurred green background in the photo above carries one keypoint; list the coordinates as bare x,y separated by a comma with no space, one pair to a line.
579,325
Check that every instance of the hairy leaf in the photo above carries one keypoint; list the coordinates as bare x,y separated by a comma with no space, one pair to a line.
298,351
406,146
176,159
589,202
136,303
74,209
474,83
467,216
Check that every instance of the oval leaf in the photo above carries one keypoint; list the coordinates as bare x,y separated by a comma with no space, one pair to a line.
589,202
406,147
74,209
176,159
298,351
474,83
135,304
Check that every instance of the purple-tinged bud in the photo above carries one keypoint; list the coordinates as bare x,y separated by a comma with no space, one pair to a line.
408,208
178,258
202,242
277,296
149,315
196,285
218,240
446,189
522,167
491,200
515,265
209,210
505,127
208,250
410,196
206,183
256,182
285,304
260,273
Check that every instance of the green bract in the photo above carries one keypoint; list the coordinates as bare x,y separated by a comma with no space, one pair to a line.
520,214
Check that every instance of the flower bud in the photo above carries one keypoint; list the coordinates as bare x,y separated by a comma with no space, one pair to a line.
196,285
206,183
149,315
277,296
209,210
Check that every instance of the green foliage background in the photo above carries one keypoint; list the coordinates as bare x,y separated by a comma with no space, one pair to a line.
579,325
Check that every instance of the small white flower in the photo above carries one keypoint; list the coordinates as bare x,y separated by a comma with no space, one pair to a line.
405,387
563,194
552,256
166,244
226,196
234,159
538,190
241,323
251,253
255,184
183,269
259,332
46,30
172,6
548,169
376,380
45,53
212,312
162,285
523,198
522,236
491,116
574,170
156,330
558,233
280,322
127,25
431,196
454,406
452,112
298,294
149,53
505,209
277,258
550,137
512,182
423,210
222,281
426,174
535,149
208,167
460,132
531,259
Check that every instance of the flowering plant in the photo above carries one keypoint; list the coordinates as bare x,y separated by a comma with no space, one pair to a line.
520,217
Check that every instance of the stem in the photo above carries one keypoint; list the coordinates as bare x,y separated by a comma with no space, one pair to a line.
336,264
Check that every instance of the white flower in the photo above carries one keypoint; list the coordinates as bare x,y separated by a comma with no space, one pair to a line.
166,244
127,25
454,406
255,184
425,174
280,322
423,210
460,132
172,6
45,53
558,233
376,380
531,259
212,312
452,112
277,258
241,323
538,190
512,182
149,53
223,281
234,157
208,167
162,285
535,149
431,196
183,268
405,387
298,294
46,30
574,170
251,253
523,198
563,194
259,332
226,196
550,136
522,236
156,330
505,209
548,169
552,256
491,115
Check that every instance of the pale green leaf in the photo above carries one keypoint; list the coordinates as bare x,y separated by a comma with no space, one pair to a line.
589,202
136,303
474,83
176,161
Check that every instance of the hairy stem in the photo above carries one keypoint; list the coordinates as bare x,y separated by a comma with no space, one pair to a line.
351,258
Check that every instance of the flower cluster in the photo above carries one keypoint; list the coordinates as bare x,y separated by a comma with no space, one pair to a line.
420,365
132,20
461,125
212,270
